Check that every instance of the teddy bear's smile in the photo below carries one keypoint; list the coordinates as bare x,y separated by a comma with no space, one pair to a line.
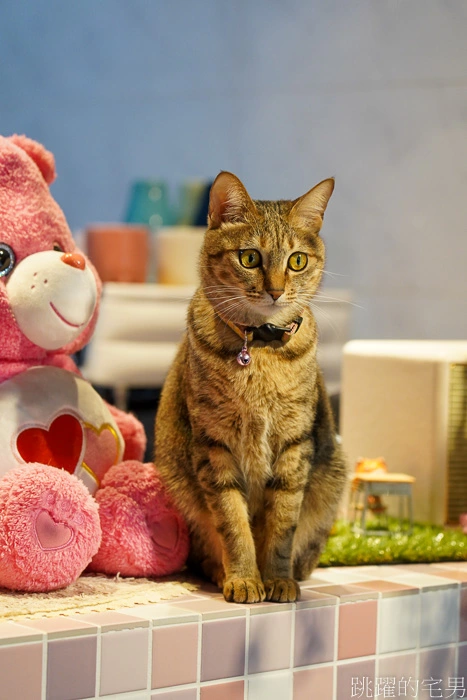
62,318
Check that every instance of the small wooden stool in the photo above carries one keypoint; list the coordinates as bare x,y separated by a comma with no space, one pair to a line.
379,484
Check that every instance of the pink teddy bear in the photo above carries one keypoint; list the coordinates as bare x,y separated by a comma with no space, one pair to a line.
73,490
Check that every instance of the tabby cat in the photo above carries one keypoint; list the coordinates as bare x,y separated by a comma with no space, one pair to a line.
245,438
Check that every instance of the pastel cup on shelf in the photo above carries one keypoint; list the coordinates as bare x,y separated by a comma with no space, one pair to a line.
120,252
176,252
193,202
149,204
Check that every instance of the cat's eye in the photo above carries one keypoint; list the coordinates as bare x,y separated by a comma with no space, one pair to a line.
249,258
7,259
297,261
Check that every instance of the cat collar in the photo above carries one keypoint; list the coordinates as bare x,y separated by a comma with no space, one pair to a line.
268,332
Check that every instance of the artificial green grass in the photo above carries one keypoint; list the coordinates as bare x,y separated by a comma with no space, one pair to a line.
426,543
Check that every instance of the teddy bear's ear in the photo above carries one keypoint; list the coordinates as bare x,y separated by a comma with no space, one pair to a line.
41,156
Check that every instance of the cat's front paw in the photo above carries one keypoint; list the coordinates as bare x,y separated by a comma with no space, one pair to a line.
282,590
244,590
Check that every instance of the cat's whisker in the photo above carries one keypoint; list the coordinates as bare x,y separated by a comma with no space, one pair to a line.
218,293
224,290
309,299
232,308
226,301
326,299
219,299
229,316
225,315
331,274
238,302
330,300
324,314
223,293
220,286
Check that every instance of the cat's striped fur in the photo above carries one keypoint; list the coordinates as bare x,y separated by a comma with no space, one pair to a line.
249,453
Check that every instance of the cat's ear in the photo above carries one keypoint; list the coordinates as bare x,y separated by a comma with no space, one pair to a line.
309,209
228,200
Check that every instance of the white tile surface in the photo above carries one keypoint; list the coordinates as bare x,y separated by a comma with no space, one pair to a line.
124,661
273,686
341,577
424,581
439,622
399,623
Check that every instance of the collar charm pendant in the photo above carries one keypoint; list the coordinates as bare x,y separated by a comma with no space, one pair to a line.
244,357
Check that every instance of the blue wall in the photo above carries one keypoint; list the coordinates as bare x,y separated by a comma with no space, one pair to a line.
281,92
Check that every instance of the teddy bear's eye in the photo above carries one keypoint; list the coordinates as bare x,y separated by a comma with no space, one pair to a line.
7,259
58,248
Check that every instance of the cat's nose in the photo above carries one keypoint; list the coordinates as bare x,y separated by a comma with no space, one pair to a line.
275,293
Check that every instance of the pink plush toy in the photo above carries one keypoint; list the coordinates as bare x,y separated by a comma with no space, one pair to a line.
72,486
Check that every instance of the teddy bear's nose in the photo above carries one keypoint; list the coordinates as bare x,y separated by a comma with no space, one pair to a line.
74,259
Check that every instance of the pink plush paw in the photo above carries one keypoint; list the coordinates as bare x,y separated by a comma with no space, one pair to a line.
142,533
49,528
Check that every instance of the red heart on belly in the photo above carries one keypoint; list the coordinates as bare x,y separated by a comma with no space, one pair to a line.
59,446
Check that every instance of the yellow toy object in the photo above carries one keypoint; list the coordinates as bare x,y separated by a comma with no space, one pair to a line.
366,466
